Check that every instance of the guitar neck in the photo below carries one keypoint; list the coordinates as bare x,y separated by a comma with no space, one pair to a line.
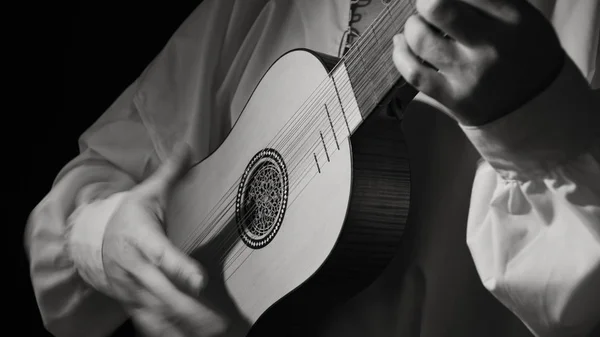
369,63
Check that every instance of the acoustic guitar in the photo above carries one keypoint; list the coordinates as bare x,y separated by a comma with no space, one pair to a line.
306,200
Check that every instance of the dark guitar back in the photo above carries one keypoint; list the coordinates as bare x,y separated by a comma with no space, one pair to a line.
371,236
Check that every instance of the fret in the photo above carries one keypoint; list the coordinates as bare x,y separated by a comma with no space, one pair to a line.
332,128
369,62
382,55
399,28
367,73
327,131
343,105
324,145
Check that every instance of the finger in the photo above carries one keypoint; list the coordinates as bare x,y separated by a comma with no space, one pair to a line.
180,268
184,311
167,174
153,325
420,76
124,284
459,20
428,45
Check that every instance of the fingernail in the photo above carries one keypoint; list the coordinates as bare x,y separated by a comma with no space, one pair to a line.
197,282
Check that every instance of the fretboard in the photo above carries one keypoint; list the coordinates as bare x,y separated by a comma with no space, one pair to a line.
369,63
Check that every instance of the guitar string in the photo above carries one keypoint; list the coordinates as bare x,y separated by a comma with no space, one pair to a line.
374,36
360,85
330,143
360,88
234,255
340,120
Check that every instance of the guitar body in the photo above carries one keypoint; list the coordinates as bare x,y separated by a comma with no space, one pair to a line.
283,236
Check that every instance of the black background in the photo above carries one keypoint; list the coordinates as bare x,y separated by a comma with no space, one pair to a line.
72,61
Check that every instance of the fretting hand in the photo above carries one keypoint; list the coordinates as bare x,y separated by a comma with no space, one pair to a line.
481,59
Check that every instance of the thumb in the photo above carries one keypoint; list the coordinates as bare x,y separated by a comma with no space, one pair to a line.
168,173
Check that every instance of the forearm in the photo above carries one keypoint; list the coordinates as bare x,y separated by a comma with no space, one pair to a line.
116,153
70,305
534,223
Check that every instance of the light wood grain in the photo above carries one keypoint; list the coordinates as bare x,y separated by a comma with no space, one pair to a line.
255,279
345,217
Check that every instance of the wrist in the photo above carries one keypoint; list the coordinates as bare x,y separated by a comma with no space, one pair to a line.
528,91
551,129
85,236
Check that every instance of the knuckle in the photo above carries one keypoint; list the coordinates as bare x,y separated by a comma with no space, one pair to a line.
115,246
397,58
191,273
413,31
158,258
420,39
180,273
411,22
154,207
413,76
128,243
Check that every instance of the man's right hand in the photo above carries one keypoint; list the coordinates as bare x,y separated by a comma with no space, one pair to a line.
156,283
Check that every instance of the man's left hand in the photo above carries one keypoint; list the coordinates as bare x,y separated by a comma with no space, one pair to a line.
481,59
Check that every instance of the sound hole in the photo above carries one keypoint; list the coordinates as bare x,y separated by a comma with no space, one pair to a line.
262,198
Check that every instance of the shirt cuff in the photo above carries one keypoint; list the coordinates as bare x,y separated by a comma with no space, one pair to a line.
85,235
554,127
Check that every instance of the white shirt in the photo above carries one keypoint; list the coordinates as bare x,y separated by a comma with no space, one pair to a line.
530,212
